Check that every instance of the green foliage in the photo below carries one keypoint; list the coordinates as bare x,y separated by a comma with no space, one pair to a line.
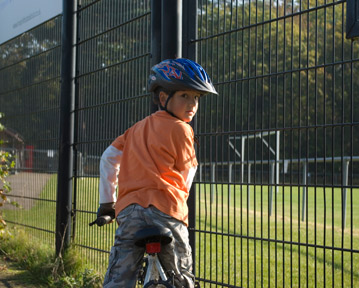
278,64
6,164
69,270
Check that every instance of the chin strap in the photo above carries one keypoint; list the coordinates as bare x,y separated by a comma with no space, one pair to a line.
172,114
170,95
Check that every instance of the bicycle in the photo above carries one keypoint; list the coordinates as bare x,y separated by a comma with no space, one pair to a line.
151,238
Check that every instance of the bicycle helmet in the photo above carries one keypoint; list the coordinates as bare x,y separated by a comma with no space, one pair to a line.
180,75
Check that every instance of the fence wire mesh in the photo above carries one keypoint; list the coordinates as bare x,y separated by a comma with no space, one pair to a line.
276,188
29,98
113,63
277,185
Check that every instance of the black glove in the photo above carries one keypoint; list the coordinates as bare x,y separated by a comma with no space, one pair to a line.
106,209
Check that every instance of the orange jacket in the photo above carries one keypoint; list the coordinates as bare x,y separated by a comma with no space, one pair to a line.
158,163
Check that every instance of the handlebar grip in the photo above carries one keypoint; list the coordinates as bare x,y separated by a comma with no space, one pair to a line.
102,220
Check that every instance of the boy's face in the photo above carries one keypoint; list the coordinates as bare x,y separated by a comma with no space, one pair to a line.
183,104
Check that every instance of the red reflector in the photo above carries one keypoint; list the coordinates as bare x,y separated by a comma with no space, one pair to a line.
152,248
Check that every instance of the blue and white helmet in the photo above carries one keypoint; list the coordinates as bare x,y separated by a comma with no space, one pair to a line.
180,75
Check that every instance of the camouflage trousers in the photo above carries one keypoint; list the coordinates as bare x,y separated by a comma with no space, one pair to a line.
126,258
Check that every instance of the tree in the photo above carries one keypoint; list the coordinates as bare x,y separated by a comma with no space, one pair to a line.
279,65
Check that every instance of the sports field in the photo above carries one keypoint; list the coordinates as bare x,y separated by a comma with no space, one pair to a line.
239,243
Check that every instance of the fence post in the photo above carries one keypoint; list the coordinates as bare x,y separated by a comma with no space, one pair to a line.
67,104
213,180
344,191
272,183
230,181
171,33
155,38
189,48
304,198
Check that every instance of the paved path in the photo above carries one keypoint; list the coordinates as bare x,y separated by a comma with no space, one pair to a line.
27,185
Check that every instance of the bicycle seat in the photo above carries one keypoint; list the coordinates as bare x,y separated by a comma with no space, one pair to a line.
152,234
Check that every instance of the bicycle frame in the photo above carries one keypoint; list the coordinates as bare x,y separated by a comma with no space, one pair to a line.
154,268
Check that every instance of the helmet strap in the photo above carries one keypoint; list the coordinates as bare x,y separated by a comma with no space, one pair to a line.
170,95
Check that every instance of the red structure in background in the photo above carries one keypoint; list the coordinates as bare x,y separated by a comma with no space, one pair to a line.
29,157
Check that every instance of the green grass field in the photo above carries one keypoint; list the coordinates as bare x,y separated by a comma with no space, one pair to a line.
238,243
279,250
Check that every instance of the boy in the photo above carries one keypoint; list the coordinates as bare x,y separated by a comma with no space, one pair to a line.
158,163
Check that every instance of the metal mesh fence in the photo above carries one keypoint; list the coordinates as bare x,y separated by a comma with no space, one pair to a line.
113,64
276,187
277,191
29,98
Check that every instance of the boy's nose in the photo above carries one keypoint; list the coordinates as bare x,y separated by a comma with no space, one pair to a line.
193,102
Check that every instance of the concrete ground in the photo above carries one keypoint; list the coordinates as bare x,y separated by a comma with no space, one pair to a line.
26,186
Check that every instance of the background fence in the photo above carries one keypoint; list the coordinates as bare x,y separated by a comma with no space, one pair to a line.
276,195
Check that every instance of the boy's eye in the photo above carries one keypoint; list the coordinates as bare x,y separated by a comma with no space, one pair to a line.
185,95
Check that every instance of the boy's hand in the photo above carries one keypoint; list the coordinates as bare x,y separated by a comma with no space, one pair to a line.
106,209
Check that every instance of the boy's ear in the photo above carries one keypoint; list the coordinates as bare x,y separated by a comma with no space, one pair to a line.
163,98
